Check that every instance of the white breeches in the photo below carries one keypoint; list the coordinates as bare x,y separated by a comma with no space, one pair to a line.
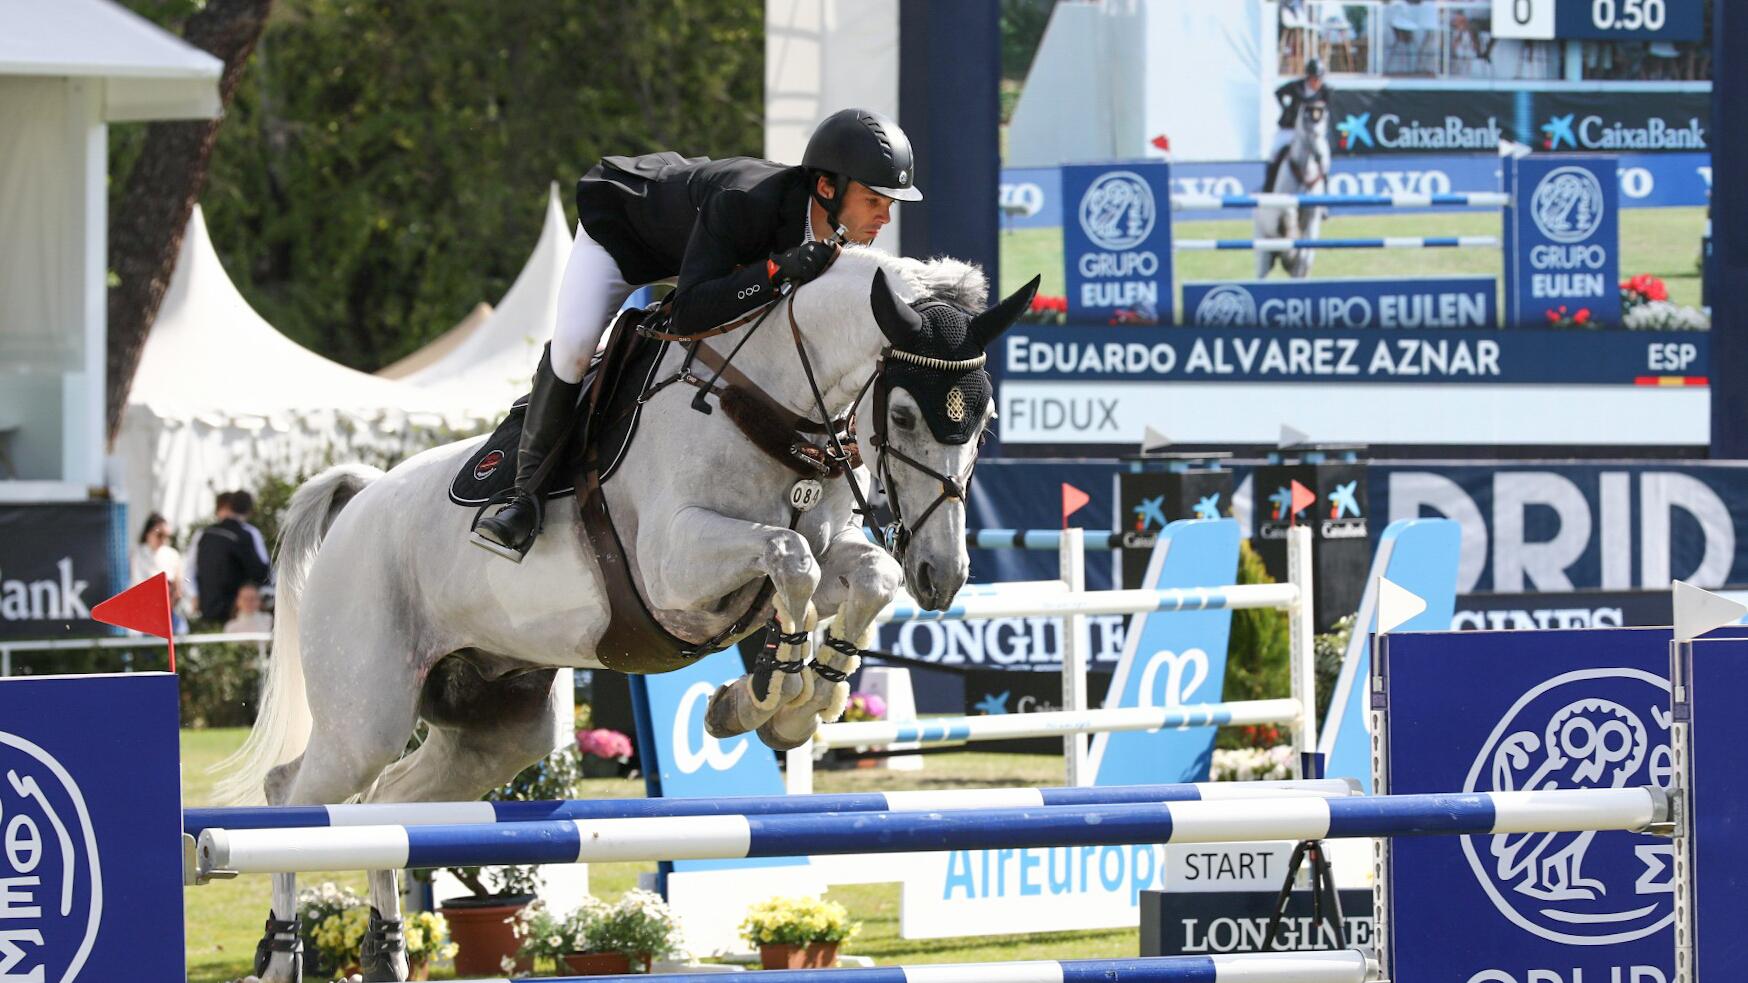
1283,138
592,292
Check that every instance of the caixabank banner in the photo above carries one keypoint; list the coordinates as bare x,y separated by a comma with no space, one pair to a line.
1117,244
1562,242
1402,120
56,560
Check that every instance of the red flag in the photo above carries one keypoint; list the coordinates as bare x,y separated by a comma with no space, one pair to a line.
1302,499
145,608
1072,499
1162,142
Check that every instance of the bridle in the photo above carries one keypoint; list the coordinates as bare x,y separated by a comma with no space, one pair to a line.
955,487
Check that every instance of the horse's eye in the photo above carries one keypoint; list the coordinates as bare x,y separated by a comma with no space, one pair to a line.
903,419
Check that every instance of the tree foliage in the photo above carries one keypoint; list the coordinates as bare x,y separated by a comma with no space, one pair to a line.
384,166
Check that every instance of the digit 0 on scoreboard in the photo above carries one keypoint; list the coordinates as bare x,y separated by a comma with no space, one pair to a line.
1527,20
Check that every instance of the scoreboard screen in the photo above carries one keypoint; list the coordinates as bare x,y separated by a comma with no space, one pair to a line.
1599,20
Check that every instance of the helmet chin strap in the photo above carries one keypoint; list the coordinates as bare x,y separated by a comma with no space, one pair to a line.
840,185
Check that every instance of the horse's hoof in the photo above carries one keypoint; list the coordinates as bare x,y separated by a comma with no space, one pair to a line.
727,713
776,741
279,954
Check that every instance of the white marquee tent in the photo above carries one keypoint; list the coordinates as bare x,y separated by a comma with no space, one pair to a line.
221,398
495,363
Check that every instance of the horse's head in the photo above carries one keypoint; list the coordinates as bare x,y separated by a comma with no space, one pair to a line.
932,403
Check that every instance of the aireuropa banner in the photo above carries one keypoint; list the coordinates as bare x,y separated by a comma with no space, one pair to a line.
1360,302
1117,251
56,561
1032,197
1564,527
1562,241
1444,120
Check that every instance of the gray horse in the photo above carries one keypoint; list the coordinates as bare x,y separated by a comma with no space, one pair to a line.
388,616
1305,171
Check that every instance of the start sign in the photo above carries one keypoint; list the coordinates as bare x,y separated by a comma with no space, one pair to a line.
1117,242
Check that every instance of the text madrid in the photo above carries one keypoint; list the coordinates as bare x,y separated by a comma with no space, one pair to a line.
1253,357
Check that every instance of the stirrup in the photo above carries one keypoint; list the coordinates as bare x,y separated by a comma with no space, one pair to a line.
280,936
519,552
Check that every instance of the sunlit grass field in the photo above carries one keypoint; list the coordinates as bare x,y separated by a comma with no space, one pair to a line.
1664,242
224,918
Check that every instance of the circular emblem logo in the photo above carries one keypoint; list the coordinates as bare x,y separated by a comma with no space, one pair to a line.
487,465
1593,728
805,494
1567,204
955,405
49,864
1227,306
1117,211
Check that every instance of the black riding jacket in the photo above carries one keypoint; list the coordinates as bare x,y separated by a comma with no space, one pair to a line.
712,224
1294,95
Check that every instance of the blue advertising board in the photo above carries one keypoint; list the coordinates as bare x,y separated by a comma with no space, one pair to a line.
1562,241
1031,197
1521,711
1117,251
1174,658
1629,20
1716,671
90,888
1357,302
1332,353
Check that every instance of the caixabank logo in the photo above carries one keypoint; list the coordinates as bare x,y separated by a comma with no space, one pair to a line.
1345,519
1590,728
51,882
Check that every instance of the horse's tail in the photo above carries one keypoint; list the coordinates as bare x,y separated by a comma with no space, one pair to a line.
282,727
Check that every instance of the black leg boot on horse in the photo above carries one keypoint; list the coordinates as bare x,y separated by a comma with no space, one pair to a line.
552,411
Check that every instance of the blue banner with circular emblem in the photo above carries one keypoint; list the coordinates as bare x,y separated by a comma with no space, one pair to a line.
1116,238
1562,242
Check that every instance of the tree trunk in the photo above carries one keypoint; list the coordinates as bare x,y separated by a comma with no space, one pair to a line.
145,231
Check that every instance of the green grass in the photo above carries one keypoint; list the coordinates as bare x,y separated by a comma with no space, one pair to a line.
1664,242
224,917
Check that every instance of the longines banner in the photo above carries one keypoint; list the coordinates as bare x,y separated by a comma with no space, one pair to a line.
1031,197
55,562
1396,120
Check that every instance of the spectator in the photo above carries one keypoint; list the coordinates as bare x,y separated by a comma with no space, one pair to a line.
243,506
228,557
190,569
248,616
154,555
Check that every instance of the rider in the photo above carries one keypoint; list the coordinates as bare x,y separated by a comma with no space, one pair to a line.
1294,96
734,232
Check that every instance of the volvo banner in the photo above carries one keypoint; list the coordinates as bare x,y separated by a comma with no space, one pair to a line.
1562,242
1117,249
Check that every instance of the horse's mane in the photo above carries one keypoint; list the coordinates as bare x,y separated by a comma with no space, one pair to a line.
943,278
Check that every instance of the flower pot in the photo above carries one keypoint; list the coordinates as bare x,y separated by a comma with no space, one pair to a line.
480,928
599,963
813,955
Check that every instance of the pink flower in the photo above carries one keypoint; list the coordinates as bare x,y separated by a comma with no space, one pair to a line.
604,743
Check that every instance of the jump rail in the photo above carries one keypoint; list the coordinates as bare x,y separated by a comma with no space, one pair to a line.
1379,242
997,605
1055,723
450,813
1340,966
1459,199
224,852
1038,539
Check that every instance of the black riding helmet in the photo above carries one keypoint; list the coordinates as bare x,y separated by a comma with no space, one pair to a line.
865,146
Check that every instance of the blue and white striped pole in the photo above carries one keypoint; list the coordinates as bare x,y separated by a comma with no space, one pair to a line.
222,852
1456,199
460,813
1036,539
1379,242
1341,966
997,605
1055,723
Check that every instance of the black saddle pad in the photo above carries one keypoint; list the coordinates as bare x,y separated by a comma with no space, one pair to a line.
491,469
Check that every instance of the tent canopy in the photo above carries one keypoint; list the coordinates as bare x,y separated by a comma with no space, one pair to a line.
163,76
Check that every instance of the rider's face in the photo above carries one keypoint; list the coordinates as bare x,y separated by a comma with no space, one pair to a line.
864,212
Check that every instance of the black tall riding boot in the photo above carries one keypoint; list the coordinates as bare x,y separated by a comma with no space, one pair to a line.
510,532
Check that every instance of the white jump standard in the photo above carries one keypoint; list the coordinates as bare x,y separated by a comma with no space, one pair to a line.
224,853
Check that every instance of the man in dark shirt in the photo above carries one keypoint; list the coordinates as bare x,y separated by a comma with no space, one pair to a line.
733,231
1294,96
227,557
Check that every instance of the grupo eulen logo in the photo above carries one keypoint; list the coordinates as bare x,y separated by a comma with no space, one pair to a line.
1567,204
1117,211
1227,306
52,897
1591,728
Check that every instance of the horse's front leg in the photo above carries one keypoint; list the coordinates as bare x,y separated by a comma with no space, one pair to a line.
705,557
858,579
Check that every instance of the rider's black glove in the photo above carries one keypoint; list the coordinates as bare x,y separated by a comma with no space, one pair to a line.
801,264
